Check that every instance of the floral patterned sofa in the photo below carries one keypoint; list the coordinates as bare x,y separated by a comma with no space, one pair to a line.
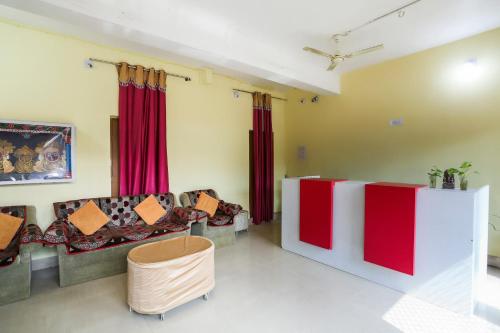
83,258
15,260
221,227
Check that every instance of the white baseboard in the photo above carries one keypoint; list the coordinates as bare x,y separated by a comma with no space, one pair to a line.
44,263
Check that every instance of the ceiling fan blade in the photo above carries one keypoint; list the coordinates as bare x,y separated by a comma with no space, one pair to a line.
332,66
364,51
318,52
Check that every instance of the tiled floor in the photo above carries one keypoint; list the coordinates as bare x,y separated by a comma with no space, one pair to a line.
259,288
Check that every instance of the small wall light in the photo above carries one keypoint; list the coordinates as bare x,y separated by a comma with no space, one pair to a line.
468,71
88,63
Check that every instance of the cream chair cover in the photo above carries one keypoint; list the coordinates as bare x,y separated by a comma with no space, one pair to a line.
168,273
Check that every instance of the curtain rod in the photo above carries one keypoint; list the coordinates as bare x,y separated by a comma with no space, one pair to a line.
186,78
250,92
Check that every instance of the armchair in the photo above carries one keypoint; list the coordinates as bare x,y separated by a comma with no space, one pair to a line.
15,260
220,228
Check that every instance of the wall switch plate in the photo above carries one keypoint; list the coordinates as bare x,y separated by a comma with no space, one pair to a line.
396,122
302,153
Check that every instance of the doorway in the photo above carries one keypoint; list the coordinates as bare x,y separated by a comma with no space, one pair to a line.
115,156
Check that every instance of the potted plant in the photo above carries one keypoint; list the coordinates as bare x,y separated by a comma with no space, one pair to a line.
433,175
463,171
449,178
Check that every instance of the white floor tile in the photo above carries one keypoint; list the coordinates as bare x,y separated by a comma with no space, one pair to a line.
259,288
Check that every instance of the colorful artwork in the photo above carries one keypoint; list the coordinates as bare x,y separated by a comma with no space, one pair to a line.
35,152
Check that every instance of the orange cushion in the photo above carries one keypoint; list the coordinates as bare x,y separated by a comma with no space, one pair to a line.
150,210
9,225
207,204
89,218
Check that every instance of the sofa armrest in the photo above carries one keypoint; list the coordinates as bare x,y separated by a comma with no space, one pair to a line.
189,214
229,208
25,252
31,238
59,232
31,233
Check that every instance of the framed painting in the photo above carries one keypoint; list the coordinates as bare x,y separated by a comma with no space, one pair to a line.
34,152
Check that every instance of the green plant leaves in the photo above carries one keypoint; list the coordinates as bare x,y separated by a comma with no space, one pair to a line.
462,170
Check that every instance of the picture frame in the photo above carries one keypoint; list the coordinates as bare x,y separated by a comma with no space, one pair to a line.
34,152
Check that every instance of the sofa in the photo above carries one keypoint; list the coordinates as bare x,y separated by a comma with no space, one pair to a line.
15,260
220,228
83,258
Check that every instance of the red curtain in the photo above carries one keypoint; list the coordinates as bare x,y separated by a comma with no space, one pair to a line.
263,159
142,131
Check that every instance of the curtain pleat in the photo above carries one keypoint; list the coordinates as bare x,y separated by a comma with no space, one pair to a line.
142,131
263,159
268,160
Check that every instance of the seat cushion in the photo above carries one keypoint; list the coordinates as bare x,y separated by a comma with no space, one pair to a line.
120,210
86,243
229,208
189,214
136,232
170,225
219,220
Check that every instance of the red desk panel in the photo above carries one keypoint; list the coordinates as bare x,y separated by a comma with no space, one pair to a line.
316,211
389,238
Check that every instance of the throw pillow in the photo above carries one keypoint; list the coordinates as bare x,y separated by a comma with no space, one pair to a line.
89,218
150,210
9,225
207,204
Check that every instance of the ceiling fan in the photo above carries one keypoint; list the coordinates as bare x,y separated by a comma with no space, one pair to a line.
336,59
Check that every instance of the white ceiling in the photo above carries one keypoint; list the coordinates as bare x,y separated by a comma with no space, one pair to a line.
261,41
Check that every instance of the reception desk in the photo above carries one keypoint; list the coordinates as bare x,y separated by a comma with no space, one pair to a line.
316,211
390,219
436,252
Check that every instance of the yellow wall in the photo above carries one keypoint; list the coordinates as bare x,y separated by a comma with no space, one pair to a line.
446,120
43,79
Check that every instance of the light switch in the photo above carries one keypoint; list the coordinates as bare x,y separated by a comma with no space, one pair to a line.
301,153
396,122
